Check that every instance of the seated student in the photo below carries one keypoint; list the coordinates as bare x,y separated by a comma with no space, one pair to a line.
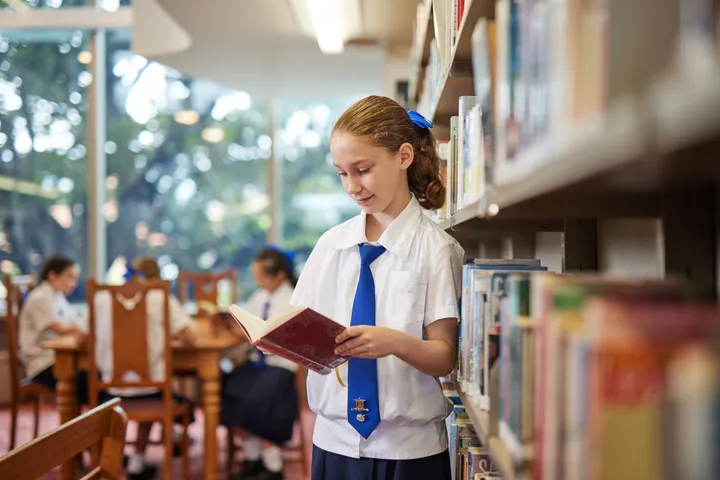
46,314
143,269
259,399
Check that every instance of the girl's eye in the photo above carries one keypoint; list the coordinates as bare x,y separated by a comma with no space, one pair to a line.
363,171
341,174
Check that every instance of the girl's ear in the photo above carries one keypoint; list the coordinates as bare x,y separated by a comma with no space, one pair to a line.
406,154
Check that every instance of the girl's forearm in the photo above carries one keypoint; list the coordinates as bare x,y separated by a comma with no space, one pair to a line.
432,357
64,329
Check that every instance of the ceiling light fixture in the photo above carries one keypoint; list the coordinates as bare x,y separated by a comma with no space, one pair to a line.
331,21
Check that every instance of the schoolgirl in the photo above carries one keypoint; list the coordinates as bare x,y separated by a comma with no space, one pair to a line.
393,277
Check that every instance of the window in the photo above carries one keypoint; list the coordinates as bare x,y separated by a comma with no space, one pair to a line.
43,182
187,169
313,199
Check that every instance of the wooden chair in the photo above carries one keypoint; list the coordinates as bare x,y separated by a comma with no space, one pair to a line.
130,352
301,386
105,424
205,289
205,286
20,388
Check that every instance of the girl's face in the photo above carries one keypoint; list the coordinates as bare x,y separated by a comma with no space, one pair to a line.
65,281
263,279
374,178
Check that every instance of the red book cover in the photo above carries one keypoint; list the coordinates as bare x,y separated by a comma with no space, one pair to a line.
302,336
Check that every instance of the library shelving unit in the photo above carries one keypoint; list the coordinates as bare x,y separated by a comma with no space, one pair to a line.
653,159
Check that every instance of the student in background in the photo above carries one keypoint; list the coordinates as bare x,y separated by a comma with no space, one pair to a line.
259,399
143,269
46,314
394,278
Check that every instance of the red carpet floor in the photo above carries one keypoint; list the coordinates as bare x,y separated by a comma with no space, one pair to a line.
49,420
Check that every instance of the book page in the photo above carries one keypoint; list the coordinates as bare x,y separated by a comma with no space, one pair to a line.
254,327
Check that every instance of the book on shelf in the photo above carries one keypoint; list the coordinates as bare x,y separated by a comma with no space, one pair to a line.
581,354
443,148
516,369
301,335
465,104
469,458
484,57
478,340
451,181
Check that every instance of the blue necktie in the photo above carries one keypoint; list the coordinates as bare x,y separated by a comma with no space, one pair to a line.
363,401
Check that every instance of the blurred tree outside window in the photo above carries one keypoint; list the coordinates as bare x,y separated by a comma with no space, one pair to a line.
313,199
187,169
43,164
187,161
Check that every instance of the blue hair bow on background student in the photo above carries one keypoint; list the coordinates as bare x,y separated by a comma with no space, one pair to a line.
288,254
131,272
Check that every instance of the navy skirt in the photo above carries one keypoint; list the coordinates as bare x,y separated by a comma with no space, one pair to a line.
262,400
331,466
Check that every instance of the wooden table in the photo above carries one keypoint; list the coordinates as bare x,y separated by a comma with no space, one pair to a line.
203,358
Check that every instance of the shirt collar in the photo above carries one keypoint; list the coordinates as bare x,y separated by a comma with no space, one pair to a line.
397,238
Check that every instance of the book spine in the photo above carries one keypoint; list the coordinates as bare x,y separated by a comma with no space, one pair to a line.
275,349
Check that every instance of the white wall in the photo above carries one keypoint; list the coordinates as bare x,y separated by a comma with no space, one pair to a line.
397,67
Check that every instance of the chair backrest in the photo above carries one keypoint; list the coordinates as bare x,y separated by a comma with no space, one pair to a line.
205,285
17,288
131,347
106,423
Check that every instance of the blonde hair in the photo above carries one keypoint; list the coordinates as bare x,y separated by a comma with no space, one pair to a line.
386,124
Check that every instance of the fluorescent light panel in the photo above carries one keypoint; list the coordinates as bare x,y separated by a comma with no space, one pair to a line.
325,16
332,21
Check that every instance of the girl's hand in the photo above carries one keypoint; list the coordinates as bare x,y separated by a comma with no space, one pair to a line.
364,341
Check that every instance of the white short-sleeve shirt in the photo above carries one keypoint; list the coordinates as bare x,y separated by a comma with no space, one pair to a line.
279,304
417,281
156,338
43,307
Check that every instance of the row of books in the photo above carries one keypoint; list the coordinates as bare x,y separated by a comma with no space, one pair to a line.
447,16
548,73
599,377
469,459
483,298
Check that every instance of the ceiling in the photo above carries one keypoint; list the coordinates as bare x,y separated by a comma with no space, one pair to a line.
260,47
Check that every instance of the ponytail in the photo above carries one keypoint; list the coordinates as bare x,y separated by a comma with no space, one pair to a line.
424,178
274,261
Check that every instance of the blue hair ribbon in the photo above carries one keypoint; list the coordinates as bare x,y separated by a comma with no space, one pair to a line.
131,272
288,254
419,120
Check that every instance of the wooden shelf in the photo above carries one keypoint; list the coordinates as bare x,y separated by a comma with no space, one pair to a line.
498,451
457,80
618,165
503,461
475,10
480,418
422,56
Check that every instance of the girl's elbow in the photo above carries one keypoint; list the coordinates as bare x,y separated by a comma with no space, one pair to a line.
446,369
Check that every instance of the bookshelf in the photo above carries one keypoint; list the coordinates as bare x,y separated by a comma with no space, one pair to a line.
480,418
662,150
647,160
504,463
456,77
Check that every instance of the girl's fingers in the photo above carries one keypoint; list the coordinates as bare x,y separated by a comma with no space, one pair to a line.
347,346
349,333
362,351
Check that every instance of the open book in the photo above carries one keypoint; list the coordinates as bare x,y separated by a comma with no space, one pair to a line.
301,335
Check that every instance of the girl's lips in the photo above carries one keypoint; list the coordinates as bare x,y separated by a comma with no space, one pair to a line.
363,201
